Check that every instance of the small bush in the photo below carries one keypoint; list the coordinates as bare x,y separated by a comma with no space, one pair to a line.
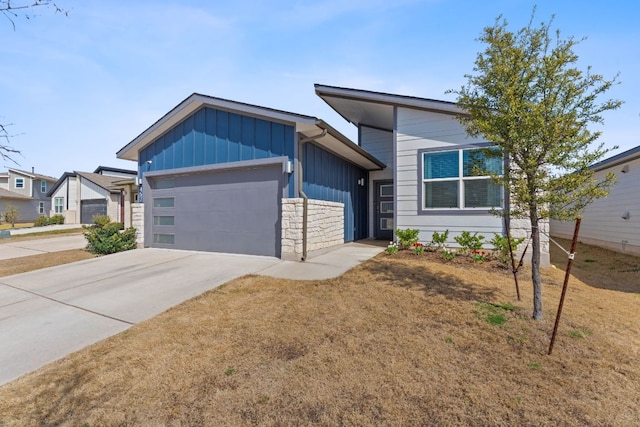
104,237
41,221
439,240
11,214
392,248
54,220
418,248
407,238
101,220
469,242
501,247
448,255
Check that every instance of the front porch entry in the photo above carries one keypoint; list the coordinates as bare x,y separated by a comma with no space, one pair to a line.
384,208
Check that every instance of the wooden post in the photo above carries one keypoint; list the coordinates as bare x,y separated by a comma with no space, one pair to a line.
513,262
567,273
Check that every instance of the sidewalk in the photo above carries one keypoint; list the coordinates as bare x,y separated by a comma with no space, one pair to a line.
326,266
18,231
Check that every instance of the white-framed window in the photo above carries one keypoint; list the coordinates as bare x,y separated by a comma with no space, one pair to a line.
58,204
41,208
460,179
19,183
43,186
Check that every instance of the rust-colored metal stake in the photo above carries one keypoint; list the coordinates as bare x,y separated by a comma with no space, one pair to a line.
567,273
514,270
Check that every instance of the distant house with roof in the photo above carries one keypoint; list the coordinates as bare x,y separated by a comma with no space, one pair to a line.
27,191
612,222
105,191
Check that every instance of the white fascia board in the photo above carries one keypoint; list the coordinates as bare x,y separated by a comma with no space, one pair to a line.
389,99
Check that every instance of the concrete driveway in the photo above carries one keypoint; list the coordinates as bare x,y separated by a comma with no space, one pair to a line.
20,248
47,314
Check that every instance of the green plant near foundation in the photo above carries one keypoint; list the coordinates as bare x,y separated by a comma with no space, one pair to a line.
407,238
439,240
469,242
501,247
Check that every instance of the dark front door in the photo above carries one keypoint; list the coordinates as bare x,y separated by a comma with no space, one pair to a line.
384,209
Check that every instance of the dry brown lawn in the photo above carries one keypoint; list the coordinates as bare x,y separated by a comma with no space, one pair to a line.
399,340
37,235
36,262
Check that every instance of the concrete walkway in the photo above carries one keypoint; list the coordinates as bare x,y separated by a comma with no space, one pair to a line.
325,266
49,313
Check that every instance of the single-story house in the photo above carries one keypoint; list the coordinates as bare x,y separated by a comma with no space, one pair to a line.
429,183
220,175
612,222
26,191
105,191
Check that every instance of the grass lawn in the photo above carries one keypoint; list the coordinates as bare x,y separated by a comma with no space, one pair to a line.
398,340
7,226
36,262
41,234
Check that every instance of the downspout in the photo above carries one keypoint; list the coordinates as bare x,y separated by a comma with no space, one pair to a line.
305,199
122,207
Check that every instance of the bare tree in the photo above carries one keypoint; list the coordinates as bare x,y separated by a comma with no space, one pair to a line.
15,9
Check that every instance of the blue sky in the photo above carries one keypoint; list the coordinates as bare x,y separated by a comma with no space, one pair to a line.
78,88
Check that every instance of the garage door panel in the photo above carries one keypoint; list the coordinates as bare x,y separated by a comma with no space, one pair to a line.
235,211
89,208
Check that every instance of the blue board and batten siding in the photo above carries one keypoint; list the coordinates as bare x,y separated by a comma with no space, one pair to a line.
329,177
211,136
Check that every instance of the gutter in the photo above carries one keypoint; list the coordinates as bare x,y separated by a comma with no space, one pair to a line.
305,199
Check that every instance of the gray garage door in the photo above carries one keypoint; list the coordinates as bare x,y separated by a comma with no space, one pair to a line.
89,208
236,211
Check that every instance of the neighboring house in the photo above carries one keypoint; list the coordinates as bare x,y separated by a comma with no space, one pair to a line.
106,191
612,222
27,191
430,182
219,175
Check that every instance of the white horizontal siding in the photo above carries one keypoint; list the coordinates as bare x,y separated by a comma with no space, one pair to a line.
60,191
118,174
379,144
90,191
417,130
73,194
602,221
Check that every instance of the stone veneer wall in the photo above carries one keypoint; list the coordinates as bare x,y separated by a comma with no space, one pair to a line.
522,228
325,227
137,222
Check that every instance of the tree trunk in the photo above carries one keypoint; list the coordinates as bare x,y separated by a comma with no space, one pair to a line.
535,265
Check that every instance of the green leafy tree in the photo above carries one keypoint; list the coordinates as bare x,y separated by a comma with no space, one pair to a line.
529,98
